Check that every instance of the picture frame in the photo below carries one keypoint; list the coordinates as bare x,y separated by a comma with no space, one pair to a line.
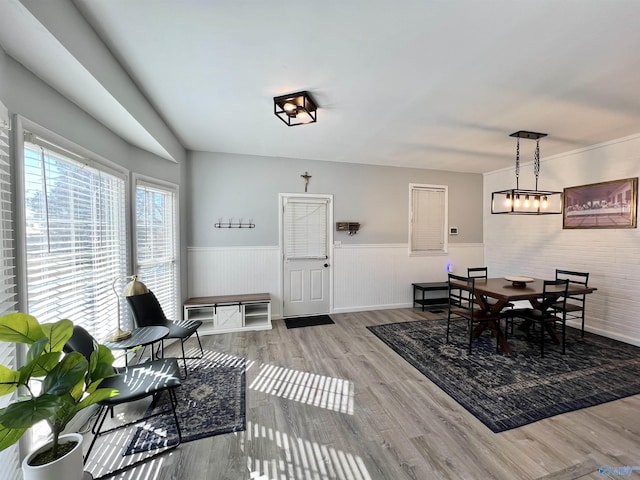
612,204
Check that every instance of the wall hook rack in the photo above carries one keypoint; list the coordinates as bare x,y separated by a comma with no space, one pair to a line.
231,224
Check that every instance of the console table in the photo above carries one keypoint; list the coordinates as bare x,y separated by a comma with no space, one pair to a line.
438,287
230,313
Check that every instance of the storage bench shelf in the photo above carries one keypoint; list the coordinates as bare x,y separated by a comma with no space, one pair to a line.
230,313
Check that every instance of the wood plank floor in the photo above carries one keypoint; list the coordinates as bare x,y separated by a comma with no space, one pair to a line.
333,402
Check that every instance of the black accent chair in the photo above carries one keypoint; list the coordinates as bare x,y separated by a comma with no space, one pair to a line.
133,383
549,312
574,307
147,312
462,306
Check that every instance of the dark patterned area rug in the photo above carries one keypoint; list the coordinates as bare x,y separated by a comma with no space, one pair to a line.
508,391
211,401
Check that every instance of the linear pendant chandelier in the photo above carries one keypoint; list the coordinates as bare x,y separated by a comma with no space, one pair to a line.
517,201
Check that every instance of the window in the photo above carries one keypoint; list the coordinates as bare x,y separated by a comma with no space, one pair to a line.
156,244
9,461
305,222
428,207
75,236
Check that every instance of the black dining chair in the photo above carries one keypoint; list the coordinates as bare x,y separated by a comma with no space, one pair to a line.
147,312
462,306
574,307
133,383
548,312
483,273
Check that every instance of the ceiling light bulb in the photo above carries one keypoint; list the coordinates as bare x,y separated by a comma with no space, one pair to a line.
545,203
304,116
526,201
516,202
536,201
290,108
508,201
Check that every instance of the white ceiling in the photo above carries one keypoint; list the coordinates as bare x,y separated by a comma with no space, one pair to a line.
414,83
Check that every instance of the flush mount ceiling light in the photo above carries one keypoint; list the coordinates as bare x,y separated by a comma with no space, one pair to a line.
527,202
295,108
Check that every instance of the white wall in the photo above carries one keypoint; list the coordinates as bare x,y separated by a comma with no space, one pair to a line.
537,245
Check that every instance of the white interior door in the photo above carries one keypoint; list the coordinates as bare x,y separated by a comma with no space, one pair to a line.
306,235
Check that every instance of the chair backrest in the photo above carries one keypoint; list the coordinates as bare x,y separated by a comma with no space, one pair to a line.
554,292
146,310
461,292
477,272
82,342
579,278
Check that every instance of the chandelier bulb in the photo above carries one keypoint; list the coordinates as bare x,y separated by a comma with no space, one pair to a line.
526,201
516,202
536,201
545,202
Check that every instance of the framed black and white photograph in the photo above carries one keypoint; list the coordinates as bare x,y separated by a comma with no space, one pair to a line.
601,205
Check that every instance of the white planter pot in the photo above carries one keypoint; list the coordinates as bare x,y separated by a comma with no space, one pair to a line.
69,467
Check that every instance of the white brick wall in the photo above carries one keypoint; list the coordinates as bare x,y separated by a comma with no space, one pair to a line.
537,245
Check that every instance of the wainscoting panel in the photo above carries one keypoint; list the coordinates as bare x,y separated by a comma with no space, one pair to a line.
371,277
235,270
365,277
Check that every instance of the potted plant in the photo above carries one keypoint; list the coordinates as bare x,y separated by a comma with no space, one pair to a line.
69,383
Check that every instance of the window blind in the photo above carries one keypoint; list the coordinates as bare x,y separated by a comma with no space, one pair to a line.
156,243
428,219
75,237
9,458
305,225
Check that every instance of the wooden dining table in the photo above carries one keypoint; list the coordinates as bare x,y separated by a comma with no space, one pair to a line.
504,292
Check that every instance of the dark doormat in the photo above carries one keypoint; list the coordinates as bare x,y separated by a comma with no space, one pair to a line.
297,322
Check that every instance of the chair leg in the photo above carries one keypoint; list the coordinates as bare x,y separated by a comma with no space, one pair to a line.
184,358
199,344
541,340
448,323
173,403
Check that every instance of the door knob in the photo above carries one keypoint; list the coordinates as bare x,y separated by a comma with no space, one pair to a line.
326,265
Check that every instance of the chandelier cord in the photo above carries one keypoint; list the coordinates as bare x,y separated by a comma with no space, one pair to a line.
518,164
536,162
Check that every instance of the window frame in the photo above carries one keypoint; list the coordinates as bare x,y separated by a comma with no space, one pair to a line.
10,353
77,153
443,189
162,185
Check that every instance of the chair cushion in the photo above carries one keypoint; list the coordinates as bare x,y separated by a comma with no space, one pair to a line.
181,329
138,381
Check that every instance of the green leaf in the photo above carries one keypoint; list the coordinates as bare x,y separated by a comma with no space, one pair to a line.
97,396
58,334
9,436
9,380
101,364
45,364
20,328
28,412
66,374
